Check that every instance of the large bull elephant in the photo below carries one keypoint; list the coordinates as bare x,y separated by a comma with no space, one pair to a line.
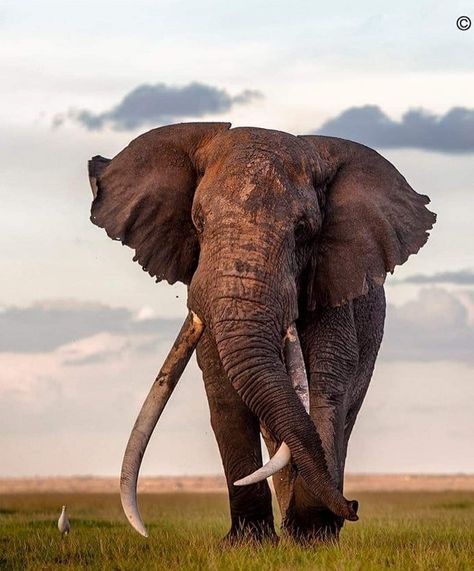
284,243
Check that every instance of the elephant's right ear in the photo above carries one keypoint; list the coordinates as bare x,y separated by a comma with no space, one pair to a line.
373,220
144,196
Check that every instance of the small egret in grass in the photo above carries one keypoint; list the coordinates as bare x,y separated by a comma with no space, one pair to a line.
63,522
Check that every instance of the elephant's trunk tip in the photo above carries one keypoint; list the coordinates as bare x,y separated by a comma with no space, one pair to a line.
353,506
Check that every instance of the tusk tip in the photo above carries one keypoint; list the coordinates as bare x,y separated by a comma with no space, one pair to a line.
140,528
136,522
251,479
240,482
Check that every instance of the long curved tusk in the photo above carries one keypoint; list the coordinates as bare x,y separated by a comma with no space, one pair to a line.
150,412
297,372
278,461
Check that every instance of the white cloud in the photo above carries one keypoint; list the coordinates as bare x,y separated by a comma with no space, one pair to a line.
79,417
78,401
435,326
144,313
97,348
27,378
45,326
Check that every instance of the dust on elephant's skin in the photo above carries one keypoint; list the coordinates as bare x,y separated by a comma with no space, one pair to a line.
269,229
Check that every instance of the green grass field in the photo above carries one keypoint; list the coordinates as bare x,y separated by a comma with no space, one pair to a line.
398,530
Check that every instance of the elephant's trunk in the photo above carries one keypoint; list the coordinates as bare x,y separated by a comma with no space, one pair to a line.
150,412
254,364
297,372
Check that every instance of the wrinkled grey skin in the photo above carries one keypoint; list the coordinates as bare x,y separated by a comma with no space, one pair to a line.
340,346
267,229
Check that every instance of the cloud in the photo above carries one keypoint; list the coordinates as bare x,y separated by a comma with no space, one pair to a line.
436,326
51,349
160,103
99,348
449,133
461,277
45,326
70,409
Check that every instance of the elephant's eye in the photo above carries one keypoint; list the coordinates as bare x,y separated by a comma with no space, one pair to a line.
302,230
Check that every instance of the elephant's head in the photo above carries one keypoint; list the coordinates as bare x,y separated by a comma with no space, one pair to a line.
259,224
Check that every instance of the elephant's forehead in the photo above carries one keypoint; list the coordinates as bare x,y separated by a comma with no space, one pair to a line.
260,152
250,171
260,193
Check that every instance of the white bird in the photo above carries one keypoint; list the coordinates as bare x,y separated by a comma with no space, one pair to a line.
63,522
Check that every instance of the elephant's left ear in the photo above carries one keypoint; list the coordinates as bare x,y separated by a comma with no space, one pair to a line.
373,220
144,196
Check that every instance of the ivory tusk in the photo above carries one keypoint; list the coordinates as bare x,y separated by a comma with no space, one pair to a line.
278,461
297,371
150,412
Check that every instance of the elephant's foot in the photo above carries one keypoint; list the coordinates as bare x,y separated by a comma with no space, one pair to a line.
250,530
314,526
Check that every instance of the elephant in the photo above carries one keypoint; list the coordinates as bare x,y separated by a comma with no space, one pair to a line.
284,243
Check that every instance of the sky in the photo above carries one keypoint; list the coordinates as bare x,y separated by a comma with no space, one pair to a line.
83,330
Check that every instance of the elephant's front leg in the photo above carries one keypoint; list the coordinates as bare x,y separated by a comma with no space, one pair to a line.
237,433
330,347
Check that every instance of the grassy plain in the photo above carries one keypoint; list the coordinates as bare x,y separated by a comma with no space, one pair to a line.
397,530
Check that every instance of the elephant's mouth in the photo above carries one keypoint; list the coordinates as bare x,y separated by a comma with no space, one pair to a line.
160,392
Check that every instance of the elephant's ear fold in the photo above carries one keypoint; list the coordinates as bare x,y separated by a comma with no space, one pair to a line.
372,220
144,196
